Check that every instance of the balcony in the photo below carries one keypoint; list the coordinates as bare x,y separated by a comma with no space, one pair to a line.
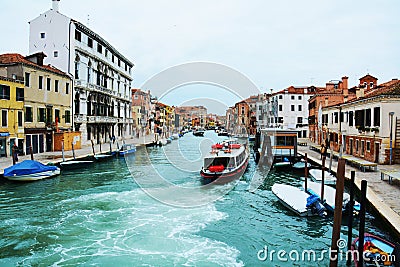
80,118
101,119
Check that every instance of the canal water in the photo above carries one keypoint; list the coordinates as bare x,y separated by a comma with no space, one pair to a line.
112,215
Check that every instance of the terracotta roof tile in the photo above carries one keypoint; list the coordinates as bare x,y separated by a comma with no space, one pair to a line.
14,58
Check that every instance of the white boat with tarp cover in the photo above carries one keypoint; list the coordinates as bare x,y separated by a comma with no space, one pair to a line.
316,175
297,200
30,170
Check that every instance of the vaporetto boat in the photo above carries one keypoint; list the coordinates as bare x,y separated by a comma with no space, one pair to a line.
226,162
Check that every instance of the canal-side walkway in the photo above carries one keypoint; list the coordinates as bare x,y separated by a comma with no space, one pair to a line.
384,197
86,150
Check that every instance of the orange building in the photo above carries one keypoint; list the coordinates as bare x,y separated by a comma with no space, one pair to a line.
335,92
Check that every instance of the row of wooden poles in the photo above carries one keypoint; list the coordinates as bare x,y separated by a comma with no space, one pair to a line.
15,151
337,220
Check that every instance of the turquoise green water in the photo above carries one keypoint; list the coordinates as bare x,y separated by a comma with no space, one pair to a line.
101,217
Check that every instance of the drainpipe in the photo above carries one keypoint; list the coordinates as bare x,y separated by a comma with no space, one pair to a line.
391,137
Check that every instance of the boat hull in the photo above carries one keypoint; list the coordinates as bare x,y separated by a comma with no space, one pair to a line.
198,133
224,177
34,176
126,152
75,164
382,244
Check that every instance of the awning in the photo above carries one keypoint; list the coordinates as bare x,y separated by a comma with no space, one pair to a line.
4,134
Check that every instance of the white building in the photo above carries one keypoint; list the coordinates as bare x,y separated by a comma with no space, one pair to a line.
102,76
289,109
362,125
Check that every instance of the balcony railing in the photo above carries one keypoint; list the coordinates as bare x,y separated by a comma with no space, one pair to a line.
101,119
80,118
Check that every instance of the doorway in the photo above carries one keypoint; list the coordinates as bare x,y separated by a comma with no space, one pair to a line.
49,142
376,153
351,146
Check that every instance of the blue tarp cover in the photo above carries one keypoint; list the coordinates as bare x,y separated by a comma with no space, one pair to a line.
27,167
311,200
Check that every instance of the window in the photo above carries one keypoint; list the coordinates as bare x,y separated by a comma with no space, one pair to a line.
368,117
362,147
357,142
280,96
41,114
55,53
48,84
299,97
292,97
280,119
67,88
4,119
99,48
106,53
67,116
280,107
351,119
112,58
78,35
28,114
20,120
359,116
77,70
377,116
299,107
20,94
336,114
90,42
57,115
119,63
42,35
56,86
299,120
341,117
292,108
40,82
368,146
27,79
371,85
4,92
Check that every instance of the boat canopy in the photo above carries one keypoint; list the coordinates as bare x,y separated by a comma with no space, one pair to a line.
27,167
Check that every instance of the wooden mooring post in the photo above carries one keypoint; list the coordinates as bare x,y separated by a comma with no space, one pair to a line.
361,231
337,219
350,216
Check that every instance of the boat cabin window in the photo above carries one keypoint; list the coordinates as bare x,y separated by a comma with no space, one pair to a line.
285,140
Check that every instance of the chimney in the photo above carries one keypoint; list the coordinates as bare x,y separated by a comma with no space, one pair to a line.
345,81
56,5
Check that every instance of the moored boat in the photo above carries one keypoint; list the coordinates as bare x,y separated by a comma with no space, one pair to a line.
377,251
226,162
75,164
126,149
198,133
298,201
301,165
316,175
30,170
100,157
223,133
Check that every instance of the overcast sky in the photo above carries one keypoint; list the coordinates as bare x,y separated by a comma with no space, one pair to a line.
275,43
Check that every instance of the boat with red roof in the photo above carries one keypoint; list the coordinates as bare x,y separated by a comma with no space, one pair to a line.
227,161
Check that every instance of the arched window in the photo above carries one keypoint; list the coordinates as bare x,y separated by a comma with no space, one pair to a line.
77,65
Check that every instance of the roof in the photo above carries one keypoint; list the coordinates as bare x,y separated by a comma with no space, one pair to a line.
388,88
14,58
368,76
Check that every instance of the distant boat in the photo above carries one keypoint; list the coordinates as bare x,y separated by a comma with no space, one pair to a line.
75,164
30,170
101,157
301,165
198,133
298,201
223,133
127,149
377,251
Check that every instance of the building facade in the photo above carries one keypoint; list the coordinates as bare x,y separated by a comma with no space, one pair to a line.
46,99
360,125
141,111
288,109
102,100
12,115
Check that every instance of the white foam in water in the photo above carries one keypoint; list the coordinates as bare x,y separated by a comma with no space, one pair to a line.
131,228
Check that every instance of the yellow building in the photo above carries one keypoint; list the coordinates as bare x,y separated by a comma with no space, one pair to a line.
47,104
11,116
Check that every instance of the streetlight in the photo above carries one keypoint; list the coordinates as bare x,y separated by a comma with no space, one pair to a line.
391,136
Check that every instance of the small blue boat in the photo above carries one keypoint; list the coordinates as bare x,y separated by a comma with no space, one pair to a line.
127,149
30,170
